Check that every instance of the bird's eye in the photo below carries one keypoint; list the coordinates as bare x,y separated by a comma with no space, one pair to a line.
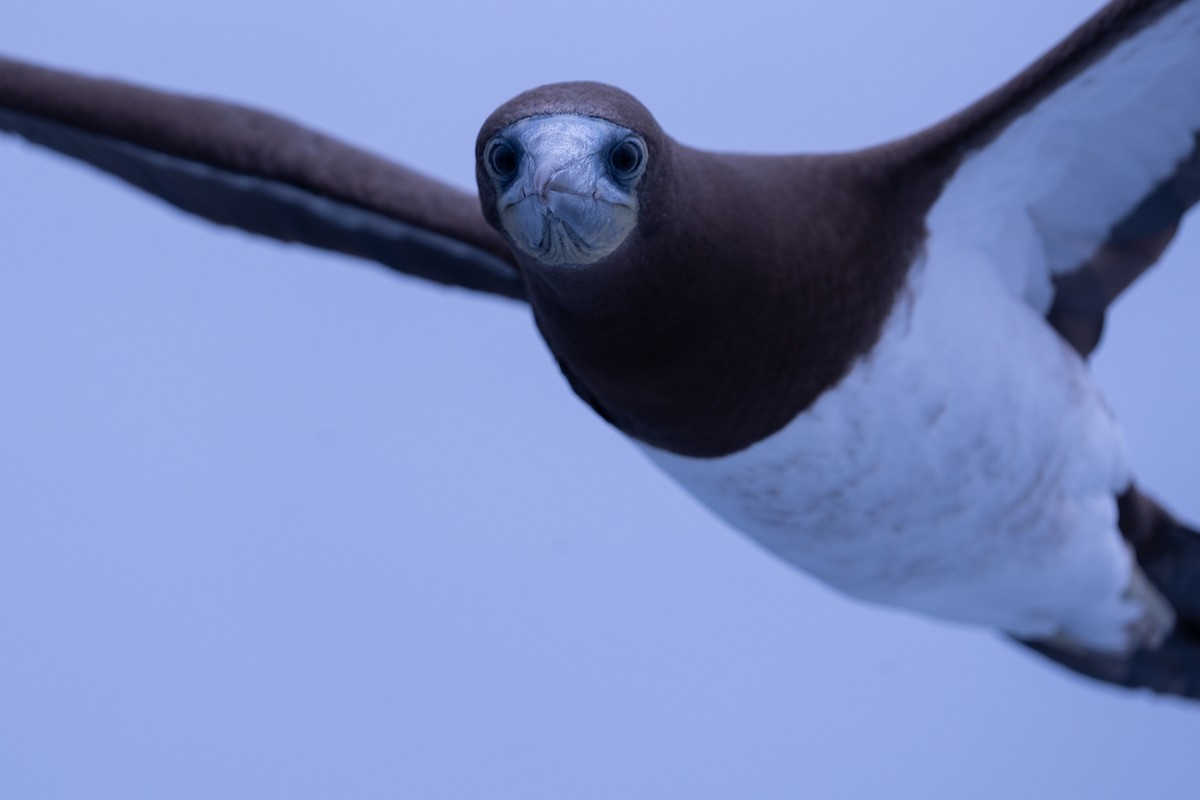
502,159
628,159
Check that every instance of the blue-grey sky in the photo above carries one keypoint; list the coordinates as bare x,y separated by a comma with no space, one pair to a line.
274,523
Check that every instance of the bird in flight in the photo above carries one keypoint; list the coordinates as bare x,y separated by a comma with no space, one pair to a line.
872,363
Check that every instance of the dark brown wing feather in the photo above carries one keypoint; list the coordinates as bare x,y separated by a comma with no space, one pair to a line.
251,170
1083,295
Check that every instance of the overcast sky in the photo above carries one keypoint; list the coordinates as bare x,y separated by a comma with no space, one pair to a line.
274,523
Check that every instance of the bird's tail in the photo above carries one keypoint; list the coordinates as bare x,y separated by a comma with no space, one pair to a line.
1169,555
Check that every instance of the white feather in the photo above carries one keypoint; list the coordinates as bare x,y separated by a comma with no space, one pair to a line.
966,468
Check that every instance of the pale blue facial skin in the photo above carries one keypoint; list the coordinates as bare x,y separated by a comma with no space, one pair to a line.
566,203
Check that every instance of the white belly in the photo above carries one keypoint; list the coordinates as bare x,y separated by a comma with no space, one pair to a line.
967,468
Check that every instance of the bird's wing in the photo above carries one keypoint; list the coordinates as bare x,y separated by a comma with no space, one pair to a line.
1073,177
1077,172
254,171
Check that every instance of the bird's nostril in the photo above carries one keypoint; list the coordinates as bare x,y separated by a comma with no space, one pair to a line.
547,179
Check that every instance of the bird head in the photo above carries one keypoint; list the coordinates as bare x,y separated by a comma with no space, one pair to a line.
563,169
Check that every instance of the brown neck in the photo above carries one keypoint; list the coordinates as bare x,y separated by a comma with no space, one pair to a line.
750,291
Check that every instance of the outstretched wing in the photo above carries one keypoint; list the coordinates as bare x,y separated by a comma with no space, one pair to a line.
250,170
1077,172
1075,176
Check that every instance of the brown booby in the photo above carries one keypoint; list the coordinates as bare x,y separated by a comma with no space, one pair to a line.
868,388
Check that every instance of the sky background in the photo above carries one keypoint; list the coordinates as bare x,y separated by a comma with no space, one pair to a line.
274,523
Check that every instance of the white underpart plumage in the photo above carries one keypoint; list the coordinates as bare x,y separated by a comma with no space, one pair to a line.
966,468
